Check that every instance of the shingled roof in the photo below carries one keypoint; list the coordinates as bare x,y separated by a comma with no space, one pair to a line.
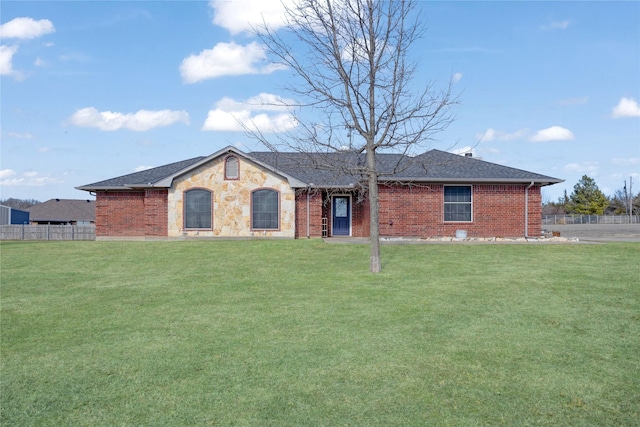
145,178
312,169
63,210
432,166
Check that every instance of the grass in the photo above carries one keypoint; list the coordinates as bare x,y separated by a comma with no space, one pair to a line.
276,333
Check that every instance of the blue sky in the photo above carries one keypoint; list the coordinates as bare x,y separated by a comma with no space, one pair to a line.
94,90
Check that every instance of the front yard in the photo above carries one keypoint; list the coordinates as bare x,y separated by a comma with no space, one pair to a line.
261,333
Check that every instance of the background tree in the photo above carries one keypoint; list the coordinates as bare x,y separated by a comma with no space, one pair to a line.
19,203
624,202
587,198
556,208
619,203
353,65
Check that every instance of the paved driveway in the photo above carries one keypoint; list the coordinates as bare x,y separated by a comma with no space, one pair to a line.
599,232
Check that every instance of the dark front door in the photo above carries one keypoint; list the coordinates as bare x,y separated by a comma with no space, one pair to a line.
341,216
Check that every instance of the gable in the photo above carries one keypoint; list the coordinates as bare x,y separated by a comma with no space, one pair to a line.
231,197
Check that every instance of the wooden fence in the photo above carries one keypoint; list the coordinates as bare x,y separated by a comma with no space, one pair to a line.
47,232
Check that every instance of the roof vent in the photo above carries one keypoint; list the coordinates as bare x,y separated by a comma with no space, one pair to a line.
468,154
57,200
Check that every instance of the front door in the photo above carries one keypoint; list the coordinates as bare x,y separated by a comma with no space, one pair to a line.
341,215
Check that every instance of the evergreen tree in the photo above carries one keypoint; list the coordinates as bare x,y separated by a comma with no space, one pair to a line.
587,198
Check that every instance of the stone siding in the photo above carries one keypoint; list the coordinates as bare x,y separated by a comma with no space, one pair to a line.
231,199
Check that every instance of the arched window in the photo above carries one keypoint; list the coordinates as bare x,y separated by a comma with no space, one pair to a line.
264,210
197,209
231,168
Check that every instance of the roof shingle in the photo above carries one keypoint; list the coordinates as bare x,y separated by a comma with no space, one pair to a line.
63,210
346,169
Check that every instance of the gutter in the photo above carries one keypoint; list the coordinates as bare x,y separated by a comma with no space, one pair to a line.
526,210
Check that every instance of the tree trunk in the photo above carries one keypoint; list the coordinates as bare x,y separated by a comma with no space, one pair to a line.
374,223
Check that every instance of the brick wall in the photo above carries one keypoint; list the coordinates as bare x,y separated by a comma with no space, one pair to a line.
498,210
155,212
314,204
131,213
120,214
360,218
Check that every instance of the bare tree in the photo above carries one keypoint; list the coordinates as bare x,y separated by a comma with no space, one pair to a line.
357,72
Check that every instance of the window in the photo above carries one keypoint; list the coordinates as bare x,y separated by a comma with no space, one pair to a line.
457,203
231,168
197,209
264,210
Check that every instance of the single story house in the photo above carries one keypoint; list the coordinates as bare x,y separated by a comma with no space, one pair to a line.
235,194
64,212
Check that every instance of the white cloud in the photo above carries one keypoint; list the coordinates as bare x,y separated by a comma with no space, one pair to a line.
75,57
140,121
26,28
488,135
498,135
463,150
17,135
556,25
234,116
8,178
142,168
226,59
241,16
261,102
456,77
554,133
585,168
627,107
6,60
631,161
6,173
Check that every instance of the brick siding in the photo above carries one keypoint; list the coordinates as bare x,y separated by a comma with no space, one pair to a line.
131,213
498,210
315,214
409,211
156,212
418,211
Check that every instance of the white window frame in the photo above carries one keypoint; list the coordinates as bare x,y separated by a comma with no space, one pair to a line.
470,203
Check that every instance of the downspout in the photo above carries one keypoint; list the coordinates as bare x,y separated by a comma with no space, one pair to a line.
308,215
526,210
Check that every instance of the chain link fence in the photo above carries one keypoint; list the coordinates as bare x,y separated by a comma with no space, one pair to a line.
590,219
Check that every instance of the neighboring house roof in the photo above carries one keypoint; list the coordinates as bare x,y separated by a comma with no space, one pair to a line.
63,210
319,170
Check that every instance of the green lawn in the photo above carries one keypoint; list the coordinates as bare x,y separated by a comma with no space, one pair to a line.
275,333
